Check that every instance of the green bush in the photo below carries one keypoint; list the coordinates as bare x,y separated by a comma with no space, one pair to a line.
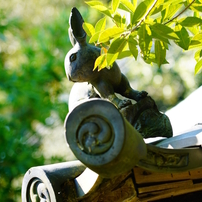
32,51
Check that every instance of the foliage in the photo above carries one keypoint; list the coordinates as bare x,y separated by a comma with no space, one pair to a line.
151,27
32,52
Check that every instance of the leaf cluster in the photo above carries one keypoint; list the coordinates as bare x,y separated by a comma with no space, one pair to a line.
146,29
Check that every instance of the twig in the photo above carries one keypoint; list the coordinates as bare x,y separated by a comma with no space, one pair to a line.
179,13
147,13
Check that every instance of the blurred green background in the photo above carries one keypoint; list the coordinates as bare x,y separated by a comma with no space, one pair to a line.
34,89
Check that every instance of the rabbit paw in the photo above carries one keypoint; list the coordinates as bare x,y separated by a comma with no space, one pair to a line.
124,103
141,95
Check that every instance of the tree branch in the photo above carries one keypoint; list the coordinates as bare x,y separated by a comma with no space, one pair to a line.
179,13
147,13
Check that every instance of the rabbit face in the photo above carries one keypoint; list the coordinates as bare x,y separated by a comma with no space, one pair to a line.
79,63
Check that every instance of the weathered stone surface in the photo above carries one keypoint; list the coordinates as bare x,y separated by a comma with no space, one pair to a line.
103,139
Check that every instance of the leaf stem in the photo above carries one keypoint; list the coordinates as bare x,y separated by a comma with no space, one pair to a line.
147,13
179,13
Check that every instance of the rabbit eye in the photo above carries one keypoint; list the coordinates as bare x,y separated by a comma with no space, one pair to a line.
73,57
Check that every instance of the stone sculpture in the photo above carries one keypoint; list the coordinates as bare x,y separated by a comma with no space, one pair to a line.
107,137
79,63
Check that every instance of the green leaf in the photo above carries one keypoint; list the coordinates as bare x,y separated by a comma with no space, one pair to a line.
100,25
164,31
160,53
157,9
170,11
115,48
145,39
141,10
198,66
110,33
198,55
195,44
115,5
119,20
196,41
190,21
198,37
93,3
94,38
88,28
155,35
134,2
150,58
171,2
184,39
100,62
100,7
194,30
132,43
124,54
196,7
127,6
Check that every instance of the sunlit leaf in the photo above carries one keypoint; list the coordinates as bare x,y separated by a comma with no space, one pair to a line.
115,4
134,2
104,10
198,37
127,6
124,54
95,37
198,55
100,7
157,9
196,41
118,19
89,29
93,3
100,63
115,48
190,21
145,39
164,31
184,39
132,43
110,33
171,2
100,25
170,11
160,53
196,7
194,30
150,58
195,44
141,10
198,66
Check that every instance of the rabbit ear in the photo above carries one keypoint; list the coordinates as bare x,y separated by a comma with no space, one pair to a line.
71,37
76,31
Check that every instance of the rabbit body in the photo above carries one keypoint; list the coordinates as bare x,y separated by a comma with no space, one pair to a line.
79,64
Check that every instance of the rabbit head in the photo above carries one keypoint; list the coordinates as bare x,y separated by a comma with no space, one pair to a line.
79,61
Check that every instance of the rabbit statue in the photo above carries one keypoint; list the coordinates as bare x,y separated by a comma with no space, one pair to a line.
79,64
